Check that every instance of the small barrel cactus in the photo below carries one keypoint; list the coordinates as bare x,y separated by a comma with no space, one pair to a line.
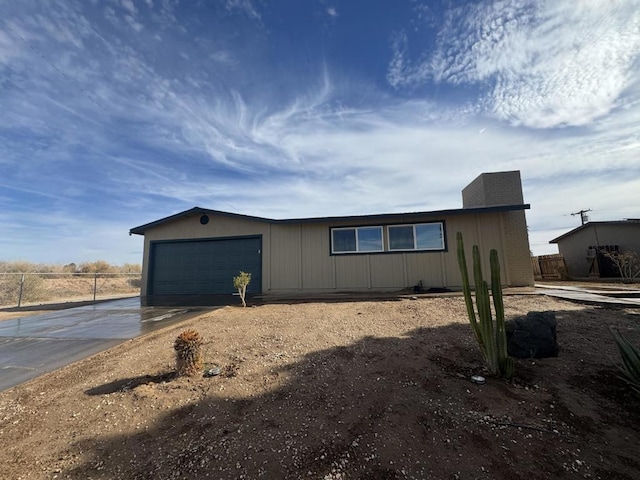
188,348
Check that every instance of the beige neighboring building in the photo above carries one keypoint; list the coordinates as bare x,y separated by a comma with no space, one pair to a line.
191,257
582,247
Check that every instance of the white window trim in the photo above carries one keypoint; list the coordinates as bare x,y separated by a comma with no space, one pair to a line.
415,238
379,227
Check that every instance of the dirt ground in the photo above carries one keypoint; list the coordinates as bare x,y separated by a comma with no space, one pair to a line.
362,390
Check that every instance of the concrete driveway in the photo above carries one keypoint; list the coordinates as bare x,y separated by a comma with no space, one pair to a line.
31,346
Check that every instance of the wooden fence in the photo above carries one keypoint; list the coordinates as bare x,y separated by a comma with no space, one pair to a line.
549,267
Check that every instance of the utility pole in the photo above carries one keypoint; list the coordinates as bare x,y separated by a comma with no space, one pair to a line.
583,215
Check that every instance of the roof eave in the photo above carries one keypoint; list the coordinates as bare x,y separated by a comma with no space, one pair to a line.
383,216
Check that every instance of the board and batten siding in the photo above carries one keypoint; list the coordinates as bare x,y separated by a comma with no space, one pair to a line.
316,244
301,258
297,256
285,257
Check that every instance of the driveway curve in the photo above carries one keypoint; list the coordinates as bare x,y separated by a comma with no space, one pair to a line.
33,345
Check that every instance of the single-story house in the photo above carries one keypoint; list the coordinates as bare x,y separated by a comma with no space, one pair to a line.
191,257
583,246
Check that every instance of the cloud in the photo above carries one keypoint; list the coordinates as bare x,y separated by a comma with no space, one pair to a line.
329,157
542,64
244,6
399,73
223,57
120,129
332,12
129,6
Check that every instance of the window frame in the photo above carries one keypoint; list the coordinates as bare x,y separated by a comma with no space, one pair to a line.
386,240
415,248
357,250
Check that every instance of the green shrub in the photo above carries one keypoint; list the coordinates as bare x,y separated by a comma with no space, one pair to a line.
241,282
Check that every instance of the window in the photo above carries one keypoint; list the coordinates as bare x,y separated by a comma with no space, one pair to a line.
422,236
400,238
356,240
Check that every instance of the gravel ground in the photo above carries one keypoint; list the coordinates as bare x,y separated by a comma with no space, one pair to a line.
370,389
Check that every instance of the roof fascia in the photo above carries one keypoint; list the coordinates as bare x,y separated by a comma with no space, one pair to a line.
408,215
192,211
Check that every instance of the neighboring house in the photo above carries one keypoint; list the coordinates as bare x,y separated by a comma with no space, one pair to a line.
191,257
582,247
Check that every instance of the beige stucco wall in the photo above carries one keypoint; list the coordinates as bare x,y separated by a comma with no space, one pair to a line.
296,256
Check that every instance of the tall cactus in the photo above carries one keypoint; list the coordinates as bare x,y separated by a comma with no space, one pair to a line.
492,338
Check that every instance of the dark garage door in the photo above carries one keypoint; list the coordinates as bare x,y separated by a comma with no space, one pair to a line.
204,267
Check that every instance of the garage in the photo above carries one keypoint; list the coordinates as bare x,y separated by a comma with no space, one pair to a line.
203,268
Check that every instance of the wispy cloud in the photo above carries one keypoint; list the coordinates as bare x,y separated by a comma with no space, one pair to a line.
109,125
129,6
246,7
544,64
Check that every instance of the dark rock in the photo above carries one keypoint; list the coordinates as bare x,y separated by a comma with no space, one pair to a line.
533,336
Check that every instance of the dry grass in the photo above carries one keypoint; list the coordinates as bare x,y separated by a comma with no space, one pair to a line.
50,289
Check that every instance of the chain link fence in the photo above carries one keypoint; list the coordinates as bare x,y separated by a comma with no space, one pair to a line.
20,289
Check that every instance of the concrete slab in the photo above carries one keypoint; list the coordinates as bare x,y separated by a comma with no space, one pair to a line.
26,358
587,295
33,345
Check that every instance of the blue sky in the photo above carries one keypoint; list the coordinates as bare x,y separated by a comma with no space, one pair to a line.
115,113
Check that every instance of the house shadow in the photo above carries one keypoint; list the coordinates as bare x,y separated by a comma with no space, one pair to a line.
377,408
348,297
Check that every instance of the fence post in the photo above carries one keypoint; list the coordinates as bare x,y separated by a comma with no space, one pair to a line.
95,286
21,287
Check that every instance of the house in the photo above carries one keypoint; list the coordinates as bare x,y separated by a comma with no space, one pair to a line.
191,257
583,247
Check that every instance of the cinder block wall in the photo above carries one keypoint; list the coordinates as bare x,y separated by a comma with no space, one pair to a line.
493,189
517,253
505,188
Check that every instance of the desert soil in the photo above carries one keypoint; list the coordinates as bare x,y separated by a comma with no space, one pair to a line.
369,389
